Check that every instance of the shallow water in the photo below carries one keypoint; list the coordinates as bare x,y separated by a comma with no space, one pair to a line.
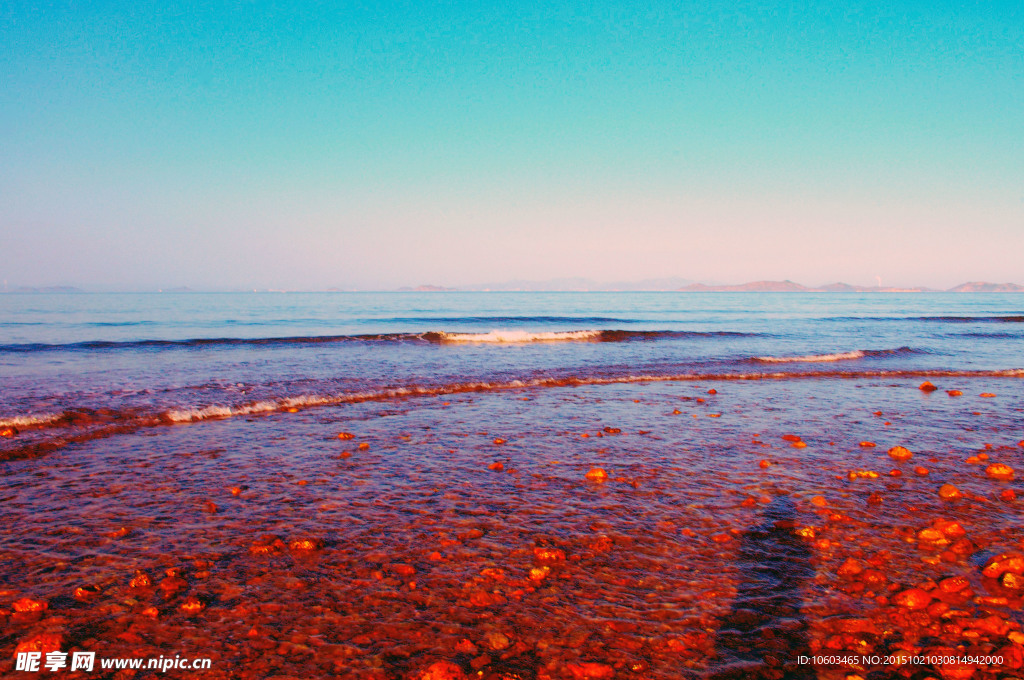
714,547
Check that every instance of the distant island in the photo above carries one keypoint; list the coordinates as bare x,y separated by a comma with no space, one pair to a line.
585,285
792,287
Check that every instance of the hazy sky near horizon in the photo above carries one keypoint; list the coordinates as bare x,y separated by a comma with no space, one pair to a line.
305,145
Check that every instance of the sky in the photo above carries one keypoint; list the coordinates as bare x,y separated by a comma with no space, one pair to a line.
307,145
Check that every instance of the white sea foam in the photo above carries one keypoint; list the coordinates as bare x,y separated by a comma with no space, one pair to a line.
502,337
29,421
814,358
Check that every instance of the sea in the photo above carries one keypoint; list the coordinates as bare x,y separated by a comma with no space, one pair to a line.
506,485
150,359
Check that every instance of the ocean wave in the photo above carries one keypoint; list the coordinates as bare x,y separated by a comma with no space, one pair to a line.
39,420
513,337
813,358
837,356
432,337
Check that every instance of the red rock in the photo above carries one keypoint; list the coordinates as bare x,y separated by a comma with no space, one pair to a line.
850,567
443,670
499,440
1000,564
597,475
497,466
1013,581
403,570
464,646
799,445
764,464
1000,471
949,528
140,580
172,584
543,555
538,574
1007,495
948,492
868,445
8,432
345,436
900,453
791,437
86,593
1013,656
305,544
192,606
27,604
585,670
482,598
913,599
267,545
42,642
954,393
953,584
987,395
927,387
611,430
930,535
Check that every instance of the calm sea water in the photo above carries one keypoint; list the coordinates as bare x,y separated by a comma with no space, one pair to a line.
150,358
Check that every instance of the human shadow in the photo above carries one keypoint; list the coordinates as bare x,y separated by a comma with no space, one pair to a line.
765,633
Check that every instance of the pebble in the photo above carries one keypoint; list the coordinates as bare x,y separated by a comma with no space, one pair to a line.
42,642
913,599
948,492
1001,564
443,670
1000,471
900,453
584,670
27,604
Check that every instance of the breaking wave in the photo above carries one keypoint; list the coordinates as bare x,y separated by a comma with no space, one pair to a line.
837,356
431,337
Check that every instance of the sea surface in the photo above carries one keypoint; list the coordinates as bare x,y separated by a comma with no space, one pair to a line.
147,358
515,486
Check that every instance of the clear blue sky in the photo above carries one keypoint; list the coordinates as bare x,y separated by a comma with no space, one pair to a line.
373,145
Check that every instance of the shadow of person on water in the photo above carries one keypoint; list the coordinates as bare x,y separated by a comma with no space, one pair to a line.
765,633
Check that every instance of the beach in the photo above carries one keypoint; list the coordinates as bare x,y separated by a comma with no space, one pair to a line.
735,488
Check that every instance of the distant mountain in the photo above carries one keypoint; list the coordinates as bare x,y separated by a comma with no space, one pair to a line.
986,287
427,288
792,287
752,287
578,284
47,289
